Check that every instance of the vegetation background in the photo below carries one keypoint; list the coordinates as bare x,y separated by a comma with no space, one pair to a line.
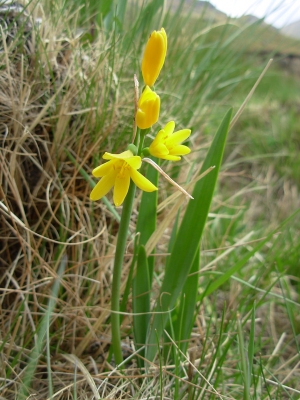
66,96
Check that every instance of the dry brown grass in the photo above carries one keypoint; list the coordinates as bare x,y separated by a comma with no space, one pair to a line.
46,217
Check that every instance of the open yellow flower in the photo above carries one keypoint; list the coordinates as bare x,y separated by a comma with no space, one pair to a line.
148,109
167,145
154,56
117,172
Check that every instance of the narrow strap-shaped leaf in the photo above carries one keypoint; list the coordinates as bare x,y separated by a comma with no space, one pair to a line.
142,282
188,237
186,313
146,223
128,286
141,300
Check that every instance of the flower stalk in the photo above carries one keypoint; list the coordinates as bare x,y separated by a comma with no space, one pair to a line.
117,273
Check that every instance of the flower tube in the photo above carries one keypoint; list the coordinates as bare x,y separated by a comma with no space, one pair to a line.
154,56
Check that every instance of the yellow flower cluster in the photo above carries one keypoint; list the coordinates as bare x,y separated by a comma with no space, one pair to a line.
153,61
121,168
167,145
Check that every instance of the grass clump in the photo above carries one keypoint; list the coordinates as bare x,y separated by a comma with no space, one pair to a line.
66,96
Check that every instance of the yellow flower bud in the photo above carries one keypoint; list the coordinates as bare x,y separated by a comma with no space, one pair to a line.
148,109
154,56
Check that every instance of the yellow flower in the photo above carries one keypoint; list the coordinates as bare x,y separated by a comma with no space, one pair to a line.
154,56
117,172
148,109
167,145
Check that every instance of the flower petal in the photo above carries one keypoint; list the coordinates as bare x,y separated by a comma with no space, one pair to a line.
169,128
103,186
171,157
121,156
142,182
178,137
145,96
148,109
161,136
103,169
158,150
135,162
179,150
121,186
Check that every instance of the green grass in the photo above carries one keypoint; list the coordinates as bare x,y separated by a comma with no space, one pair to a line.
67,99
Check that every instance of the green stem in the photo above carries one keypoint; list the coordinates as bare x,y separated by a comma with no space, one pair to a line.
143,133
117,273
119,258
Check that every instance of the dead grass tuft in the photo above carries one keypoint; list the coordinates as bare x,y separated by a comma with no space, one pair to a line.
46,108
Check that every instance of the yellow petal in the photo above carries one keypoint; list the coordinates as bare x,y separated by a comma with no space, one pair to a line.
178,137
142,182
148,109
160,137
121,187
179,150
140,119
122,156
169,128
171,157
103,169
164,35
135,162
155,108
103,186
145,96
158,150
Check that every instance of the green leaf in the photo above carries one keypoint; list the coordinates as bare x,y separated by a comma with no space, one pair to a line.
243,360
184,324
146,223
142,282
188,237
141,300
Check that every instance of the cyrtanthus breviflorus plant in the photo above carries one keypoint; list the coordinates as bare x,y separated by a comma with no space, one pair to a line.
122,168
121,173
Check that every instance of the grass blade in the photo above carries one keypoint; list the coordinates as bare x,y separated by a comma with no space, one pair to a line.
186,313
37,351
244,361
236,267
